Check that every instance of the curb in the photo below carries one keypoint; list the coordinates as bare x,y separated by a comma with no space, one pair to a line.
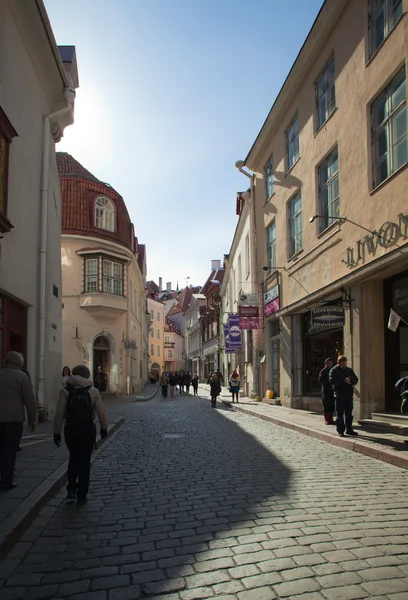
388,456
145,398
13,527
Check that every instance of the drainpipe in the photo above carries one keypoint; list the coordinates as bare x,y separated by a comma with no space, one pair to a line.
70,97
240,166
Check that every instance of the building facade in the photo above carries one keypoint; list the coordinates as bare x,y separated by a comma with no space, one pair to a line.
330,180
105,316
210,320
193,334
35,107
156,335
174,352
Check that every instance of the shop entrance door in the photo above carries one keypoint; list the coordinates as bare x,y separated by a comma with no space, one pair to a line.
13,327
101,358
275,367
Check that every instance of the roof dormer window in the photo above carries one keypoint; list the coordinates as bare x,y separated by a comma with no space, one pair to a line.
105,214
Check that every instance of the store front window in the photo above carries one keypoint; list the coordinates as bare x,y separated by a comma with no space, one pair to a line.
396,343
319,345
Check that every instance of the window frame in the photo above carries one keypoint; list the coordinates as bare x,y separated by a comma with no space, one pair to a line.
247,257
100,274
293,249
269,241
290,142
324,74
386,127
269,174
7,133
105,224
323,224
387,28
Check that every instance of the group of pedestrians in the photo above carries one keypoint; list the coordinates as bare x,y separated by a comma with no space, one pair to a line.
338,383
181,379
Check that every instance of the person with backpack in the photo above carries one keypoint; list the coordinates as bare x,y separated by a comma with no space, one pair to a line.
215,389
77,405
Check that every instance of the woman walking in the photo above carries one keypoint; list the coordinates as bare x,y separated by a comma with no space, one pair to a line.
235,385
164,382
66,374
194,382
215,389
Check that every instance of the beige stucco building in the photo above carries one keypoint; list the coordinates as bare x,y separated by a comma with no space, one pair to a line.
330,181
156,335
174,348
105,318
37,91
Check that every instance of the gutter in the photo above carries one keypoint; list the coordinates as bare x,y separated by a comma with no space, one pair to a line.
48,119
54,47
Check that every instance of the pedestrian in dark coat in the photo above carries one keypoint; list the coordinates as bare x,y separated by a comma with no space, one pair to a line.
187,381
327,392
342,379
194,382
215,389
181,381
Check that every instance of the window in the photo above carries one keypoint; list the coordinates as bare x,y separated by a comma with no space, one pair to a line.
328,175
389,129
151,349
112,277
158,334
104,214
91,275
152,315
383,16
247,257
7,133
292,143
158,351
152,332
240,280
166,338
170,353
325,94
158,316
295,224
271,245
269,178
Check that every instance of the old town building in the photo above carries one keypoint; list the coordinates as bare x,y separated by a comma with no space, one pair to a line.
210,313
105,318
330,181
193,334
37,92
174,353
156,334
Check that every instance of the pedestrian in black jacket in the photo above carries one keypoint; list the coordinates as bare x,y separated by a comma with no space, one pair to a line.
342,379
327,392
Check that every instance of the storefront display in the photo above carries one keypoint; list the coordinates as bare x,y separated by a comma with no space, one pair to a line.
320,343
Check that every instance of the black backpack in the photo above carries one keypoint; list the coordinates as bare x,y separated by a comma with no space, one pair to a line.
80,410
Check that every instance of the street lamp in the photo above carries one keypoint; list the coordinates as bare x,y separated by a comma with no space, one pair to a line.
344,220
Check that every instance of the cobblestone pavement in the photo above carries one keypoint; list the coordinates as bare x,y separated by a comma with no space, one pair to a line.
188,502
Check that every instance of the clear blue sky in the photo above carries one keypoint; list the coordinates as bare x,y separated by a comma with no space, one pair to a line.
171,95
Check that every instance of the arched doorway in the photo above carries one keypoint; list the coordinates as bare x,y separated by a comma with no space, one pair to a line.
101,358
155,372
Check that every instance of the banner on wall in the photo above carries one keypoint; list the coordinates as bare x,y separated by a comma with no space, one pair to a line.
249,317
226,340
234,332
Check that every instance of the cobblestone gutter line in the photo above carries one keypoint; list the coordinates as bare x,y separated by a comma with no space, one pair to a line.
385,455
13,527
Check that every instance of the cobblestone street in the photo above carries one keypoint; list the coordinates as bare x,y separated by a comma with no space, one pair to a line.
188,502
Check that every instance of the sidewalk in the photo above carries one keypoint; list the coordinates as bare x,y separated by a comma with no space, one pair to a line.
386,447
40,473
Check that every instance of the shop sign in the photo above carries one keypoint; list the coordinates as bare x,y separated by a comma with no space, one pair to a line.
386,236
248,311
272,307
249,299
400,295
271,294
232,334
327,317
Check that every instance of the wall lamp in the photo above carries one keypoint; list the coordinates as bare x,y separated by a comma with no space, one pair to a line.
273,268
344,220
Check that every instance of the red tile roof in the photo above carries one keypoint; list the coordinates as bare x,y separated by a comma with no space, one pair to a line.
69,167
183,302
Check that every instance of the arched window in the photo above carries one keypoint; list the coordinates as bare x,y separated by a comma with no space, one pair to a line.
105,214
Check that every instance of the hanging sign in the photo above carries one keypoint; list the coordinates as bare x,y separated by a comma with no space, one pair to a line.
327,317
249,299
234,332
271,294
248,317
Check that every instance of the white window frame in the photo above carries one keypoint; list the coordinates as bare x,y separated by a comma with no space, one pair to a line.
393,115
91,276
247,257
104,214
326,93
271,245
292,143
390,20
330,186
112,277
295,239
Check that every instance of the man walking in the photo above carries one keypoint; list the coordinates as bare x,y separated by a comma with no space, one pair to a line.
164,382
327,392
342,379
78,402
16,397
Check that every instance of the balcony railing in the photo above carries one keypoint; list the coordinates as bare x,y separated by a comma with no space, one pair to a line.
169,344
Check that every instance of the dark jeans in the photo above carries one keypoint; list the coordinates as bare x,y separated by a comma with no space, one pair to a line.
80,444
10,436
344,410
213,400
187,386
328,402
195,388
164,391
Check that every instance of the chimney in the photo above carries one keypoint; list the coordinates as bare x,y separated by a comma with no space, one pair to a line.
160,284
168,286
215,264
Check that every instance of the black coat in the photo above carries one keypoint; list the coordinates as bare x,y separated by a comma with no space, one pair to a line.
324,380
337,378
